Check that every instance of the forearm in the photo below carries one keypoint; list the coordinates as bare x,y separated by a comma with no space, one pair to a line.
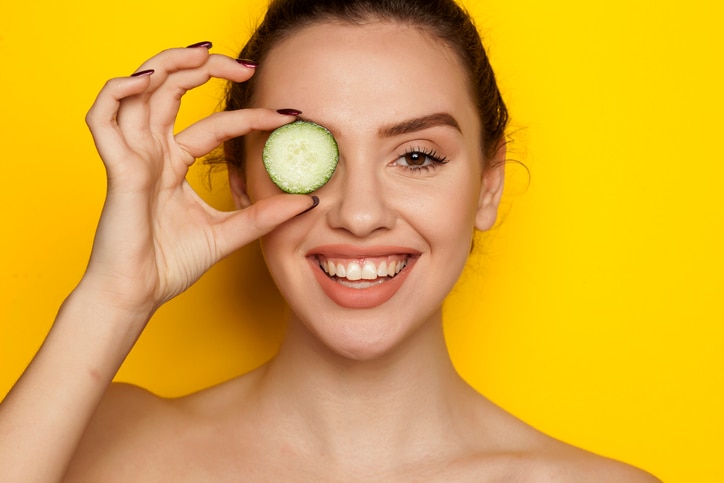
137,261
44,416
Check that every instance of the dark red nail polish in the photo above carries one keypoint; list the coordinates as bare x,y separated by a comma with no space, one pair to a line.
248,63
206,44
143,72
289,112
315,202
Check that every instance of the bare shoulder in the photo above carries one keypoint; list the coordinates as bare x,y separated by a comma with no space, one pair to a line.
575,465
553,462
127,424
521,453
136,435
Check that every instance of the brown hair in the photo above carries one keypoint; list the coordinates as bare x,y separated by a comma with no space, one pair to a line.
443,19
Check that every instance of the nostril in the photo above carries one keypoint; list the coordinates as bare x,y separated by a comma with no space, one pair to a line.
360,209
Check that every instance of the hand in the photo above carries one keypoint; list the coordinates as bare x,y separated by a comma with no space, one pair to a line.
156,236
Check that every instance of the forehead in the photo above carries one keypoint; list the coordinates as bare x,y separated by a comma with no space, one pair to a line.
370,74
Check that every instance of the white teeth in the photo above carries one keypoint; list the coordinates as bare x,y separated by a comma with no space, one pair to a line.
369,272
382,269
354,271
362,284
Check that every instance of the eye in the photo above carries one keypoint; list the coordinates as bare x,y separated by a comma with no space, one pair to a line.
419,159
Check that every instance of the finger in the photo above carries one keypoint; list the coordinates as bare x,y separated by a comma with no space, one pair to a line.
173,60
102,117
166,99
243,227
134,113
203,136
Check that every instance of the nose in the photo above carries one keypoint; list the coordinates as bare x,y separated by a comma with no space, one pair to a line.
361,205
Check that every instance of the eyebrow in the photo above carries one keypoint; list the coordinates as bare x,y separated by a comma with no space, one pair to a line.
419,124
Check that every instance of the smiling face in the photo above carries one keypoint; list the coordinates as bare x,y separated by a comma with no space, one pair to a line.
374,261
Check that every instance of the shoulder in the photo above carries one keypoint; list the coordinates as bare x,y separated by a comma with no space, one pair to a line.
556,463
126,427
523,453
575,465
128,410
551,460
135,435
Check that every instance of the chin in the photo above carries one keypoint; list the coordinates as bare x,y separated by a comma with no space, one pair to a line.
365,336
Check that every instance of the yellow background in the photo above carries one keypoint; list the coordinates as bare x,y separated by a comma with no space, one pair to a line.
595,310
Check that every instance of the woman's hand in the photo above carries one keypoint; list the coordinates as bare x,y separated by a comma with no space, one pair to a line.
156,236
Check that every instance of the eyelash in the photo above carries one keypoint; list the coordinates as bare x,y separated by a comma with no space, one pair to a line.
431,154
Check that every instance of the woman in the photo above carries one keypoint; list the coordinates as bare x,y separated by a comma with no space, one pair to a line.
362,387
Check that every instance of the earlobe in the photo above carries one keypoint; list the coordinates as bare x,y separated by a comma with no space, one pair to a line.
491,190
238,188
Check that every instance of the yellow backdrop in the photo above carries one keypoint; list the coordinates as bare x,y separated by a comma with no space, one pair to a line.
594,310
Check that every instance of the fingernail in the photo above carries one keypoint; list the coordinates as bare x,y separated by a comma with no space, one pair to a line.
205,44
143,72
289,112
248,63
315,202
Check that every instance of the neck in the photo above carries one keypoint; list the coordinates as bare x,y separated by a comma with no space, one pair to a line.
372,408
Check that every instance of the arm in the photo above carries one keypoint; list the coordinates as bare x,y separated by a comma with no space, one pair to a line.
155,238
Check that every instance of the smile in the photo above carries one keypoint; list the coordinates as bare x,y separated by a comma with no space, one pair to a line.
363,273
361,278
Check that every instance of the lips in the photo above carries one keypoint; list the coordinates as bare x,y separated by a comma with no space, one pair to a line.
361,278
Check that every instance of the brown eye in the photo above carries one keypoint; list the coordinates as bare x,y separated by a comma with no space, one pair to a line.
419,160
415,159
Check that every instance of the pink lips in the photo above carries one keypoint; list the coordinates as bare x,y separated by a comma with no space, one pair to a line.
371,295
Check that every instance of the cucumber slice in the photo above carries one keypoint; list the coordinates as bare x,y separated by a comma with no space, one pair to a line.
300,157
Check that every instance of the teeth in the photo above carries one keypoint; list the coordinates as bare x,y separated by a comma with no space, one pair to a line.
382,269
369,272
363,284
355,270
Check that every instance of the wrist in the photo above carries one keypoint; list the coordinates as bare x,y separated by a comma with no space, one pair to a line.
107,309
129,300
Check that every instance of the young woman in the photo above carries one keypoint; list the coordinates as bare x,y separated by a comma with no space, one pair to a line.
362,388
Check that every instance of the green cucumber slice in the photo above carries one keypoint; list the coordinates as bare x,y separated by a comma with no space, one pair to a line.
300,157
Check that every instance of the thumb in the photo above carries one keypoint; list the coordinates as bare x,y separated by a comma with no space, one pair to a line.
244,226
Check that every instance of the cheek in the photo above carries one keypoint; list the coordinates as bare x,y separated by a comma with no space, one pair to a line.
280,249
444,213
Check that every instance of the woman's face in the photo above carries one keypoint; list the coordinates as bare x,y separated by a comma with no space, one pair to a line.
409,189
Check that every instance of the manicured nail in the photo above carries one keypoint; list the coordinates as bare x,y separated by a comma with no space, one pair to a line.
289,112
206,44
248,63
315,202
143,72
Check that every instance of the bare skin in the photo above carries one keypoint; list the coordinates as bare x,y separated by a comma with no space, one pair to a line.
239,428
353,394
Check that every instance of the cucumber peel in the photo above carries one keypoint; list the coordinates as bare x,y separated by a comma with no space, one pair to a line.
300,157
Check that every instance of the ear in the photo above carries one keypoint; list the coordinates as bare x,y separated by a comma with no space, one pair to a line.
491,190
238,187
